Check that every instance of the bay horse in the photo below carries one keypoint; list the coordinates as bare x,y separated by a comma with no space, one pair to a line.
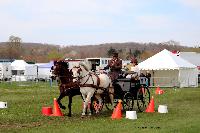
66,85
91,84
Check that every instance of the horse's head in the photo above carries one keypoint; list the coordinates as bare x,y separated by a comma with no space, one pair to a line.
77,72
60,68
54,73
80,71
55,68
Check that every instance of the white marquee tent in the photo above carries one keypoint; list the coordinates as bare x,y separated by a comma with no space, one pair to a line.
18,65
170,70
44,70
18,70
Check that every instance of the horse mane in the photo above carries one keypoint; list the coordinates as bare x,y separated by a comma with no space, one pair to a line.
62,71
86,65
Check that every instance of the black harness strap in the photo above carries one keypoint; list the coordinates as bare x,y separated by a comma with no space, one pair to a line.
92,85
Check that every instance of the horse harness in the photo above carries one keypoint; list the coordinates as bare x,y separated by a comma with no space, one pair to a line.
91,85
90,74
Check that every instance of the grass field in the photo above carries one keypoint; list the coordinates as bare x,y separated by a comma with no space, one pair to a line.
26,101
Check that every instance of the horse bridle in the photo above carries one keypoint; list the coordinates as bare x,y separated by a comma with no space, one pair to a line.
57,72
78,71
81,77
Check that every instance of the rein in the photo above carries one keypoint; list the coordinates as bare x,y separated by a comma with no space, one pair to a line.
91,85
89,74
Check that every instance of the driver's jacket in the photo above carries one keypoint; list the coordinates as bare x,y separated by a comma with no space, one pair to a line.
115,66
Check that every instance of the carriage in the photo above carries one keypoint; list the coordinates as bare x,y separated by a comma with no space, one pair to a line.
131,92
128,90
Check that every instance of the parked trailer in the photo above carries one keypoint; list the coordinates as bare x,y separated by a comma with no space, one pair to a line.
44,71
5,71
73,63
31,72
98,63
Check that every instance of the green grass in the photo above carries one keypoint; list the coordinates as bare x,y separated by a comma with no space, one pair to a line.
26,101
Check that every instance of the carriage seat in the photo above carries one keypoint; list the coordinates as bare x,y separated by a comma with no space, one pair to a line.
127,84
124,83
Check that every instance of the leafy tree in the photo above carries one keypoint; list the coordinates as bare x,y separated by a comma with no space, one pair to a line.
146,54
136,53
54,55
111,51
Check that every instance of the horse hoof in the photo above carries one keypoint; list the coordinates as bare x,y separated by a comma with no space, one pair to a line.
82,115
97,112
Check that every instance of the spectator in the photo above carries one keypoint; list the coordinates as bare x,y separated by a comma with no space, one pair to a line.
148,76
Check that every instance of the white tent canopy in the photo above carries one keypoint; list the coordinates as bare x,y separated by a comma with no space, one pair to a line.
165,60
165,65
18,65
18,68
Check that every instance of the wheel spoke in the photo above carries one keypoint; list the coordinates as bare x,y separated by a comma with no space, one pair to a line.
143,98
128,101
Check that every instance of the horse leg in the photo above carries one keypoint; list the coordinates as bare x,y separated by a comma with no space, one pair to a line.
70,105
111,95
59,99
91,105
88,100
84,106
98,97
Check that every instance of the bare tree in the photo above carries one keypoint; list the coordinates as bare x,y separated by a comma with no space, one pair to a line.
14,47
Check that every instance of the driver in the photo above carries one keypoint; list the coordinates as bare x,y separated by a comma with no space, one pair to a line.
115,65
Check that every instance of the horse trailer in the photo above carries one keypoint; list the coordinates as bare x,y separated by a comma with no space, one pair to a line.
5,71
31,72
98,63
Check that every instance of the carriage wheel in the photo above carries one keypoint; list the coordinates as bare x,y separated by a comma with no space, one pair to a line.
128,101
143,98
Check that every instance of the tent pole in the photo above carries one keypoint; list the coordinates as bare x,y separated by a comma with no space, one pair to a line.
153,77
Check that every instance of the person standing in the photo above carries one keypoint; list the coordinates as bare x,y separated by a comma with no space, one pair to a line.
148,76
115,65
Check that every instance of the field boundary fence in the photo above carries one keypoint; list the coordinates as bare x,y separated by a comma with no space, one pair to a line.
29,80
164,82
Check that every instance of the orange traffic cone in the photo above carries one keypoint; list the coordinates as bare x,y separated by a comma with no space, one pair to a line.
56,109
161,92
117,113
151,106
157,90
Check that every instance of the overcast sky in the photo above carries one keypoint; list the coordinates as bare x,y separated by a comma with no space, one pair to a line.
81,22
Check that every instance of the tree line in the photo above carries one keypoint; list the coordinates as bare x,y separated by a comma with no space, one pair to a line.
15,48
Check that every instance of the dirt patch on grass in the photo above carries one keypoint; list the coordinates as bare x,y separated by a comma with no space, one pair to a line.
17,125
